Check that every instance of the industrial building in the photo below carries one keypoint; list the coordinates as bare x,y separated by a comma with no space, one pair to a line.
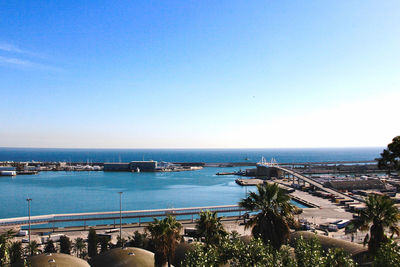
356,184
117,167
146,166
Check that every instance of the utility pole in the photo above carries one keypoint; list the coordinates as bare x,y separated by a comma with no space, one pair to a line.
29,216
120,216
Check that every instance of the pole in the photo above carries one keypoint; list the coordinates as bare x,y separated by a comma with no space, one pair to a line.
29,216
120,216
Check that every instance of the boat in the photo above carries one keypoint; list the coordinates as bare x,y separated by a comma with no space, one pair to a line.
136,170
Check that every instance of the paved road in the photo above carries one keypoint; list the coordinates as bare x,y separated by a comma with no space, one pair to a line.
316,184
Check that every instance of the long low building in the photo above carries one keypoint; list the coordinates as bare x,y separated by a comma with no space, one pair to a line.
116,167
356,184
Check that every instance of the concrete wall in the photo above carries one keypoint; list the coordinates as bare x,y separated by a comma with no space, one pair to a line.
116,167
269,172
143,165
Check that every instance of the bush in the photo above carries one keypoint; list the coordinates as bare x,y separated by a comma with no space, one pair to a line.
50,248
65,245
309,253
388,255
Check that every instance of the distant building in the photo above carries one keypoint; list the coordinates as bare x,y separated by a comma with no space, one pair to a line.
145,166
116,167
356,184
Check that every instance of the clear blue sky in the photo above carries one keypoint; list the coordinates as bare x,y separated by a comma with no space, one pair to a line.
199,74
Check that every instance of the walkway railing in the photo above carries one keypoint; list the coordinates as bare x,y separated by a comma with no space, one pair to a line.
114,215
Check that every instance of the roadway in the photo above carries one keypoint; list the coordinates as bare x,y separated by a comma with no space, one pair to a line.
314,183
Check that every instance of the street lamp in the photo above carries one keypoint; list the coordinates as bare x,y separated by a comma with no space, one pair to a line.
29,216
120,216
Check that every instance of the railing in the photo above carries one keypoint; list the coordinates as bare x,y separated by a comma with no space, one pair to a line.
114,215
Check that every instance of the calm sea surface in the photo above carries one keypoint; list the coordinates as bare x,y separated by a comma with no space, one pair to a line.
187,155
70,192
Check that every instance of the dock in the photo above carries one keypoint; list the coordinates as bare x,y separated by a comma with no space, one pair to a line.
249,182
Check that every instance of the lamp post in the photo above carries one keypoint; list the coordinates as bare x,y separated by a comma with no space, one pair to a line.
29,216
120,216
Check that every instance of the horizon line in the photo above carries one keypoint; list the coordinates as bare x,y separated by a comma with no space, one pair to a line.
194,148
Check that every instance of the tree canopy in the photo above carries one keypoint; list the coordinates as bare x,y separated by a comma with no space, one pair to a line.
275,214
379,215
390,157
165,233
210,227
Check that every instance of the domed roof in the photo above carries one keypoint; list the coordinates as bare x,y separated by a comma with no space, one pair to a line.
124,257
55,259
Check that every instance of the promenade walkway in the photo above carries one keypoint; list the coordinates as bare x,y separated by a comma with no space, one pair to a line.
115,215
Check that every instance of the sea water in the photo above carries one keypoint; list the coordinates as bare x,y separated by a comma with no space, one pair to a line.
188,155
74,192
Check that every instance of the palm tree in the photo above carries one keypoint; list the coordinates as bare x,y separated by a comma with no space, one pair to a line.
165,234
275,214
380,214
210,226
16,252
4,245
79,245
33,247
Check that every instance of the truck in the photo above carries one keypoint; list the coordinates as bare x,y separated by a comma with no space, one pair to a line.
22,233
54,238
332,227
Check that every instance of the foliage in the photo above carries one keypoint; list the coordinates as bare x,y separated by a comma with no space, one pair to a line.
256,253
388,255
65,245
79,246
4,245
33,247
104,243
141,240
165,233
210,227
120,242
92,243
234,252
309,253
238,253
201,257
380,214
339,258
16,252
271,224
138,240
50,248
390,157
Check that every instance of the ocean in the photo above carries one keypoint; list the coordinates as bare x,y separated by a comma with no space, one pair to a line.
188,155
73,192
